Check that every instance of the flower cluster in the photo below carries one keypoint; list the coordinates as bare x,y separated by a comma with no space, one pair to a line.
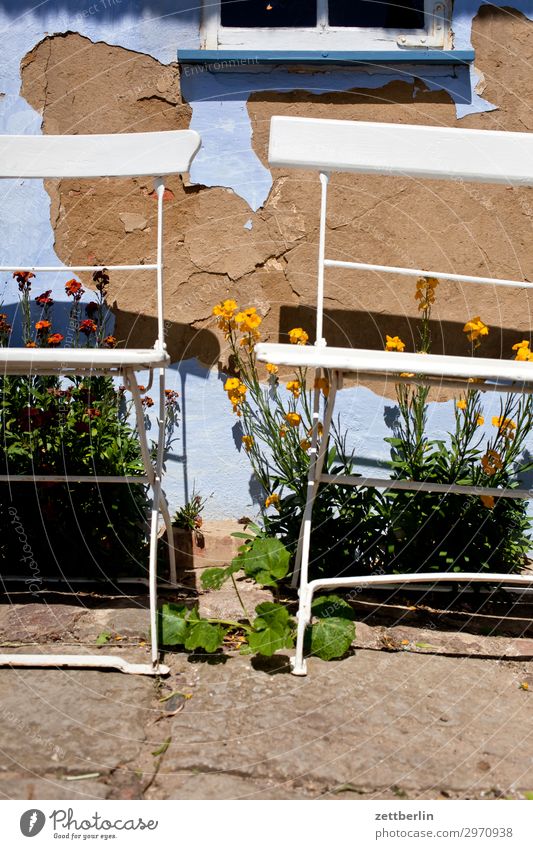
425,292
394,343
236,393
23,279
522,351
74,290
475,329
298,336
224,313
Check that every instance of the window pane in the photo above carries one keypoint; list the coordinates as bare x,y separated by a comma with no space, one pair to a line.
404,14
269,13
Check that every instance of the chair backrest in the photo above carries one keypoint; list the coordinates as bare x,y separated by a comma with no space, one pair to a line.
443,153
117,155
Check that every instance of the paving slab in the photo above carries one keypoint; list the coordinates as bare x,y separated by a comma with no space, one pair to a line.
380,720
71,721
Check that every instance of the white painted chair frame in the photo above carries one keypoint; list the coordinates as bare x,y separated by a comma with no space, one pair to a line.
400,150
122,155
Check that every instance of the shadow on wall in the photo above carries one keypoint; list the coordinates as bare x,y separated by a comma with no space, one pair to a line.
367,329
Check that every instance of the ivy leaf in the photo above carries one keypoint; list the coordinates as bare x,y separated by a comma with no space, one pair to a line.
172,624
203,635
267,561
332,606
331,637
273,629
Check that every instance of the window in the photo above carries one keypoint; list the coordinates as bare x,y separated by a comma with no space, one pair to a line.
341,25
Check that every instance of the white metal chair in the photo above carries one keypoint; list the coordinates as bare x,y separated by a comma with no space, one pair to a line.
402,150
122,155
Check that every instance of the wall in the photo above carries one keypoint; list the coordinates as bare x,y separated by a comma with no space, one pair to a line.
236,228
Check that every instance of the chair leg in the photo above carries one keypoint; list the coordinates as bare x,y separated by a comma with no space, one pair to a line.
315,470
163,503
301,568
154,475
298,662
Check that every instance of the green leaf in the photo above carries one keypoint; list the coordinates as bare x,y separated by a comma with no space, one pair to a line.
203,635
213,579
267,561
162,748
331,637
173,626
273,629
103,638
331,606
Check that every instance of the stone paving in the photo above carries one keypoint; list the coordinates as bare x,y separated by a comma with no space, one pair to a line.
431,703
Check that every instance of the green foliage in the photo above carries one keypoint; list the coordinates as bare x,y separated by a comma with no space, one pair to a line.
272,629
74,426
189,516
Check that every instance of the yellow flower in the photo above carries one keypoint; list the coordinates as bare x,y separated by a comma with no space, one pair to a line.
480,420
524,686
491,462
505,426
271,368
282,431
461,405
293,419
425,291
305,444
475,328
225,309
323,384
394,343
488,501
272,499
248,442
294,386
522,350
231,383
298,336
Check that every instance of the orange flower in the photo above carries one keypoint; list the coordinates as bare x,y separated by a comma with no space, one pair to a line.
44,300
110,342
74,289
295,387
55,339
271,368
88,326
298,336
474,329
394,343
23,279
488,501
272,499
522,350
248,442
42,326
293,419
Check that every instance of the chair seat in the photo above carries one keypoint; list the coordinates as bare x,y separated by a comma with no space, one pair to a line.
79,360
394,363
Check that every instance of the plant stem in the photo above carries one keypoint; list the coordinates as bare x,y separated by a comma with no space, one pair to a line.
241,602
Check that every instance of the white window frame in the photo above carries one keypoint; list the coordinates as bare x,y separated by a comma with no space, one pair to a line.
436,34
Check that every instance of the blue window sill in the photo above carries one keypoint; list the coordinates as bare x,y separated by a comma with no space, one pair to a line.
226,58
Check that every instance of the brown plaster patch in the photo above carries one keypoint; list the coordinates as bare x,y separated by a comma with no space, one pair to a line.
209,253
